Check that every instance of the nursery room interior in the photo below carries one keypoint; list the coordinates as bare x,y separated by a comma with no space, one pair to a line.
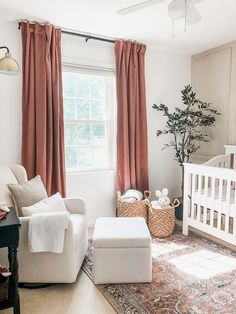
118,157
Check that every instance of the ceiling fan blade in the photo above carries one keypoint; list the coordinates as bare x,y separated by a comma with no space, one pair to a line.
193,15
138,6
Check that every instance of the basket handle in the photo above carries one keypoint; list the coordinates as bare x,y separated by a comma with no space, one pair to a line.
118,195
175,203
147,194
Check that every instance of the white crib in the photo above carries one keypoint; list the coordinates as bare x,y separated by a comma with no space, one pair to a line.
210,198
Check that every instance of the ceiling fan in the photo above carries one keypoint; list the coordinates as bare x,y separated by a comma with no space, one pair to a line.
177,9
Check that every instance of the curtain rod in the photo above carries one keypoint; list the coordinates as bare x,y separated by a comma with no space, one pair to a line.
86,36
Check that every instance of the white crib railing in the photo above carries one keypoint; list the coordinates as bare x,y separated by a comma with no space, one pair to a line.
210,198
221,161
231,150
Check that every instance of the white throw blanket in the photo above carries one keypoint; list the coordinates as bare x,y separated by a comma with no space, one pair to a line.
132,195
47,232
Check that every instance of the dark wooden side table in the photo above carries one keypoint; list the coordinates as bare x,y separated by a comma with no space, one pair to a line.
9,237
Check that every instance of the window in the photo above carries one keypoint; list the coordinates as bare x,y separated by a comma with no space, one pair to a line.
89,118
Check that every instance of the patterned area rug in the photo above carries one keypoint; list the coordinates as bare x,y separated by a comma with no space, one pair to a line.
191,275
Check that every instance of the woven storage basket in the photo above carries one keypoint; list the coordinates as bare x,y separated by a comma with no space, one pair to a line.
134,209
161,221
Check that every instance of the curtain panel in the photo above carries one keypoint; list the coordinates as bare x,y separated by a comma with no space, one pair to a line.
42,106
132,147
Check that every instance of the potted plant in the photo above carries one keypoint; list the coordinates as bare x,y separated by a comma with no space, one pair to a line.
186,128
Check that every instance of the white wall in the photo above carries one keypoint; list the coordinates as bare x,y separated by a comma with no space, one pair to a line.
166,74
10,98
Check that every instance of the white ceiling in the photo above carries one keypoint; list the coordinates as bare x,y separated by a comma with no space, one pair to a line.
151,25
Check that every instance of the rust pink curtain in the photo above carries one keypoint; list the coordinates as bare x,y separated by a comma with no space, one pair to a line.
42,106
132,149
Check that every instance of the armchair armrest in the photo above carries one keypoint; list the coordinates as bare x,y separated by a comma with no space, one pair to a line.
75,205
24,221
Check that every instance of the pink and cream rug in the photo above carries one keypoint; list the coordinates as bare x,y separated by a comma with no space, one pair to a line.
191,275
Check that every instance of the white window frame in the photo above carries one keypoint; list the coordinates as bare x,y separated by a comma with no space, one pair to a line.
111,112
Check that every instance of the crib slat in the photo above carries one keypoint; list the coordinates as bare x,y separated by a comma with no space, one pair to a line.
219,208
234,205
205,200
212,189
199,195
193,191
227,209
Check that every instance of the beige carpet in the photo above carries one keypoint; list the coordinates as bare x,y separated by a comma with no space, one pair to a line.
82,297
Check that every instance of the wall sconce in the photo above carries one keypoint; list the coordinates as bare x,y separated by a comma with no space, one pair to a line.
8,65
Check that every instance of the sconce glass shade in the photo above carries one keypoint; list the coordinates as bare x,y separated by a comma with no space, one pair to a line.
8,65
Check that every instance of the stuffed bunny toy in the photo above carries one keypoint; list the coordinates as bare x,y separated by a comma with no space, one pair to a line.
4,207
163,200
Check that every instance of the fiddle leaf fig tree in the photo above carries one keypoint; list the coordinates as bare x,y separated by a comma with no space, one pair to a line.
186,125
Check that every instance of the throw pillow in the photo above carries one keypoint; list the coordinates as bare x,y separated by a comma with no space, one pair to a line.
28,193
54,203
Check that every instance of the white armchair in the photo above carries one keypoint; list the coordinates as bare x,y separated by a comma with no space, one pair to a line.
47,267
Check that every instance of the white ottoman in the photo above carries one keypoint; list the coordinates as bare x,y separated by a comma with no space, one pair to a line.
122,251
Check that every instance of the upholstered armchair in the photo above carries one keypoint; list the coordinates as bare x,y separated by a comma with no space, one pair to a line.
47,267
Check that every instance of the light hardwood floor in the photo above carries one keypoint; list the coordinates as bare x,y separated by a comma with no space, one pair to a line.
81,297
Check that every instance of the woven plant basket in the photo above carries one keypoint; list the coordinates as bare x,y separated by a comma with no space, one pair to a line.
134,209
161,221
